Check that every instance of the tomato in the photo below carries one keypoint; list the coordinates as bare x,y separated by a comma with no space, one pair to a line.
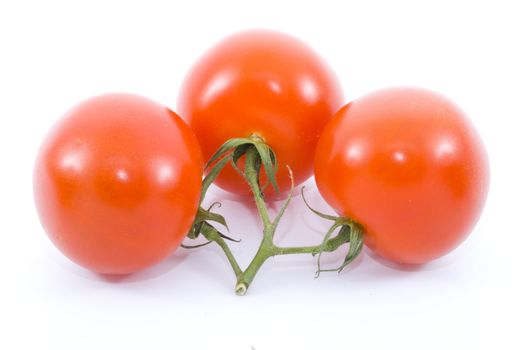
265,83
410,167
117,183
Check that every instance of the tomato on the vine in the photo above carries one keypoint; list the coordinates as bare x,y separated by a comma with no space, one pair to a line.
265,83
410,167
117,183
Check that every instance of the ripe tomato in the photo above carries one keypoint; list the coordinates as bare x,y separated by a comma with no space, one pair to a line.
117,183
265,83
410,167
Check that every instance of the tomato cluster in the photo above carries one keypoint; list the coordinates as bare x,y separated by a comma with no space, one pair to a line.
118,182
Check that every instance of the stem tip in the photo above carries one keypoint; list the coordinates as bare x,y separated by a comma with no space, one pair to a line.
241,288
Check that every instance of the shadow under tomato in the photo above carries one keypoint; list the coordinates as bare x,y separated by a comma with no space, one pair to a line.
398,266
334,259
164,267
446,261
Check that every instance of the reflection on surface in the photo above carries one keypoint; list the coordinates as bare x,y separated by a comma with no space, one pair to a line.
73,161
122,175
275,86
356,151
165,173
445,147
399,157
309,90
216,85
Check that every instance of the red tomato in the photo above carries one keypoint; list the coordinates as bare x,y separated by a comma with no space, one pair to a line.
265,83
117,183
409,165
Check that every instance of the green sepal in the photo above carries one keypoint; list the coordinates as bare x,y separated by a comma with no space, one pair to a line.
238,147
212,175
355,245
207,215
240,151
208,230
269,161
349,231
202,220
226,147
318,213
323,245
185,246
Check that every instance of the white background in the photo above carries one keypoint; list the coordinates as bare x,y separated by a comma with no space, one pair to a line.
54,54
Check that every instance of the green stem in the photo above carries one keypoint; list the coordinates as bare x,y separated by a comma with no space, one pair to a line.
330,246
229,255
212,175
263,253
251,175
268,249
257,155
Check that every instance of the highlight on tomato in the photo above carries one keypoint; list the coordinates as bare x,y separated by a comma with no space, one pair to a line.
410,167
268,88
117,183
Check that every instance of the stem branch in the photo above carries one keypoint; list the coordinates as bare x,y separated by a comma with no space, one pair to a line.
330,246
235,266
258,155
215,237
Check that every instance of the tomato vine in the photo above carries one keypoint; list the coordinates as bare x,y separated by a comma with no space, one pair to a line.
258,156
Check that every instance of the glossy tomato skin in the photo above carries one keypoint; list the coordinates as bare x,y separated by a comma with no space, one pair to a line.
409,165
117,183
266,83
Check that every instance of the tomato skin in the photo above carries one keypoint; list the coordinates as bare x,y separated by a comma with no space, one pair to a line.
266,83
117,183
409,165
